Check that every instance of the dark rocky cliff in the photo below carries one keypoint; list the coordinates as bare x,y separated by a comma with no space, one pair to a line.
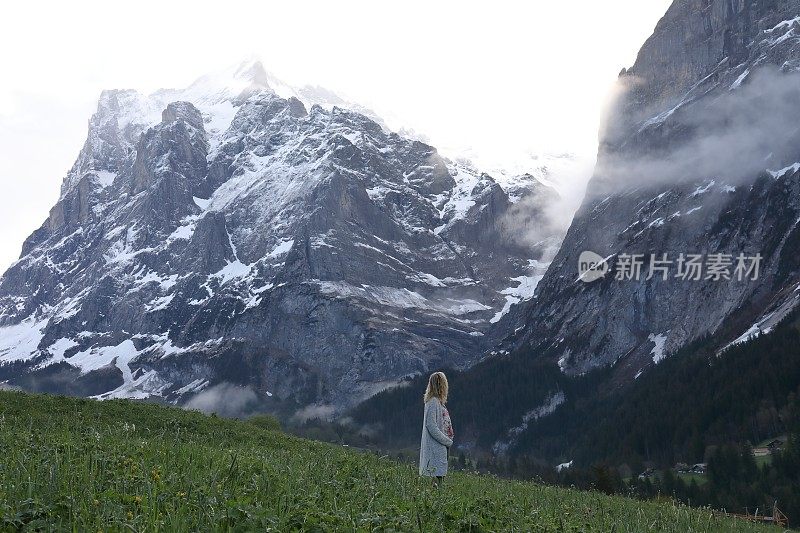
699,155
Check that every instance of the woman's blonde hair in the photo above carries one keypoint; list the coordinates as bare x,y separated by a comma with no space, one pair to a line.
437,387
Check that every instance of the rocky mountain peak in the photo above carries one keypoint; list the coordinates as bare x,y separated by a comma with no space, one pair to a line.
184,111
222,233
254,73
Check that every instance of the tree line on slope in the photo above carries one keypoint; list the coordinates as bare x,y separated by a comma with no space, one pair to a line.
695,406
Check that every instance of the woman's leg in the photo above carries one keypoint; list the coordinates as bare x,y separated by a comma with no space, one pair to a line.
438,481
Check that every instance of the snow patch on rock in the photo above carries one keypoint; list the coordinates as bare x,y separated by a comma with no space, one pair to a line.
658,346
548,407
20,342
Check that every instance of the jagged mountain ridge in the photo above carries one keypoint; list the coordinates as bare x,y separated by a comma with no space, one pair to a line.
225,233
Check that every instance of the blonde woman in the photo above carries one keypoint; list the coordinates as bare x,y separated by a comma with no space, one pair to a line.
437,430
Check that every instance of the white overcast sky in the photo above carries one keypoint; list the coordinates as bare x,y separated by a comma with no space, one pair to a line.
495,76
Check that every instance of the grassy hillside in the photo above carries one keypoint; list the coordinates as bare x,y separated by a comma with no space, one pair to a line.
112,466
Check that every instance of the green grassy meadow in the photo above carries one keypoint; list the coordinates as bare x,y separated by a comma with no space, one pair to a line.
700,479
78,465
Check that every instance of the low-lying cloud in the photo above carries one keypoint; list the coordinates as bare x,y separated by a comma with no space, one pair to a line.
540,220
224,399
314,412
733,137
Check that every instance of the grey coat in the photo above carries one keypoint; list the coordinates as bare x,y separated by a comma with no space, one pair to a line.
434,444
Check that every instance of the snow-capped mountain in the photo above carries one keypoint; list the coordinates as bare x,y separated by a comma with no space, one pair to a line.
242,230
700,155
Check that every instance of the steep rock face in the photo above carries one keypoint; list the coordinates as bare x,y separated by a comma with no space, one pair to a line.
698,41
700,154
225,233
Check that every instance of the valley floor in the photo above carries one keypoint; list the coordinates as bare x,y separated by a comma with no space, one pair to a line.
82,465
